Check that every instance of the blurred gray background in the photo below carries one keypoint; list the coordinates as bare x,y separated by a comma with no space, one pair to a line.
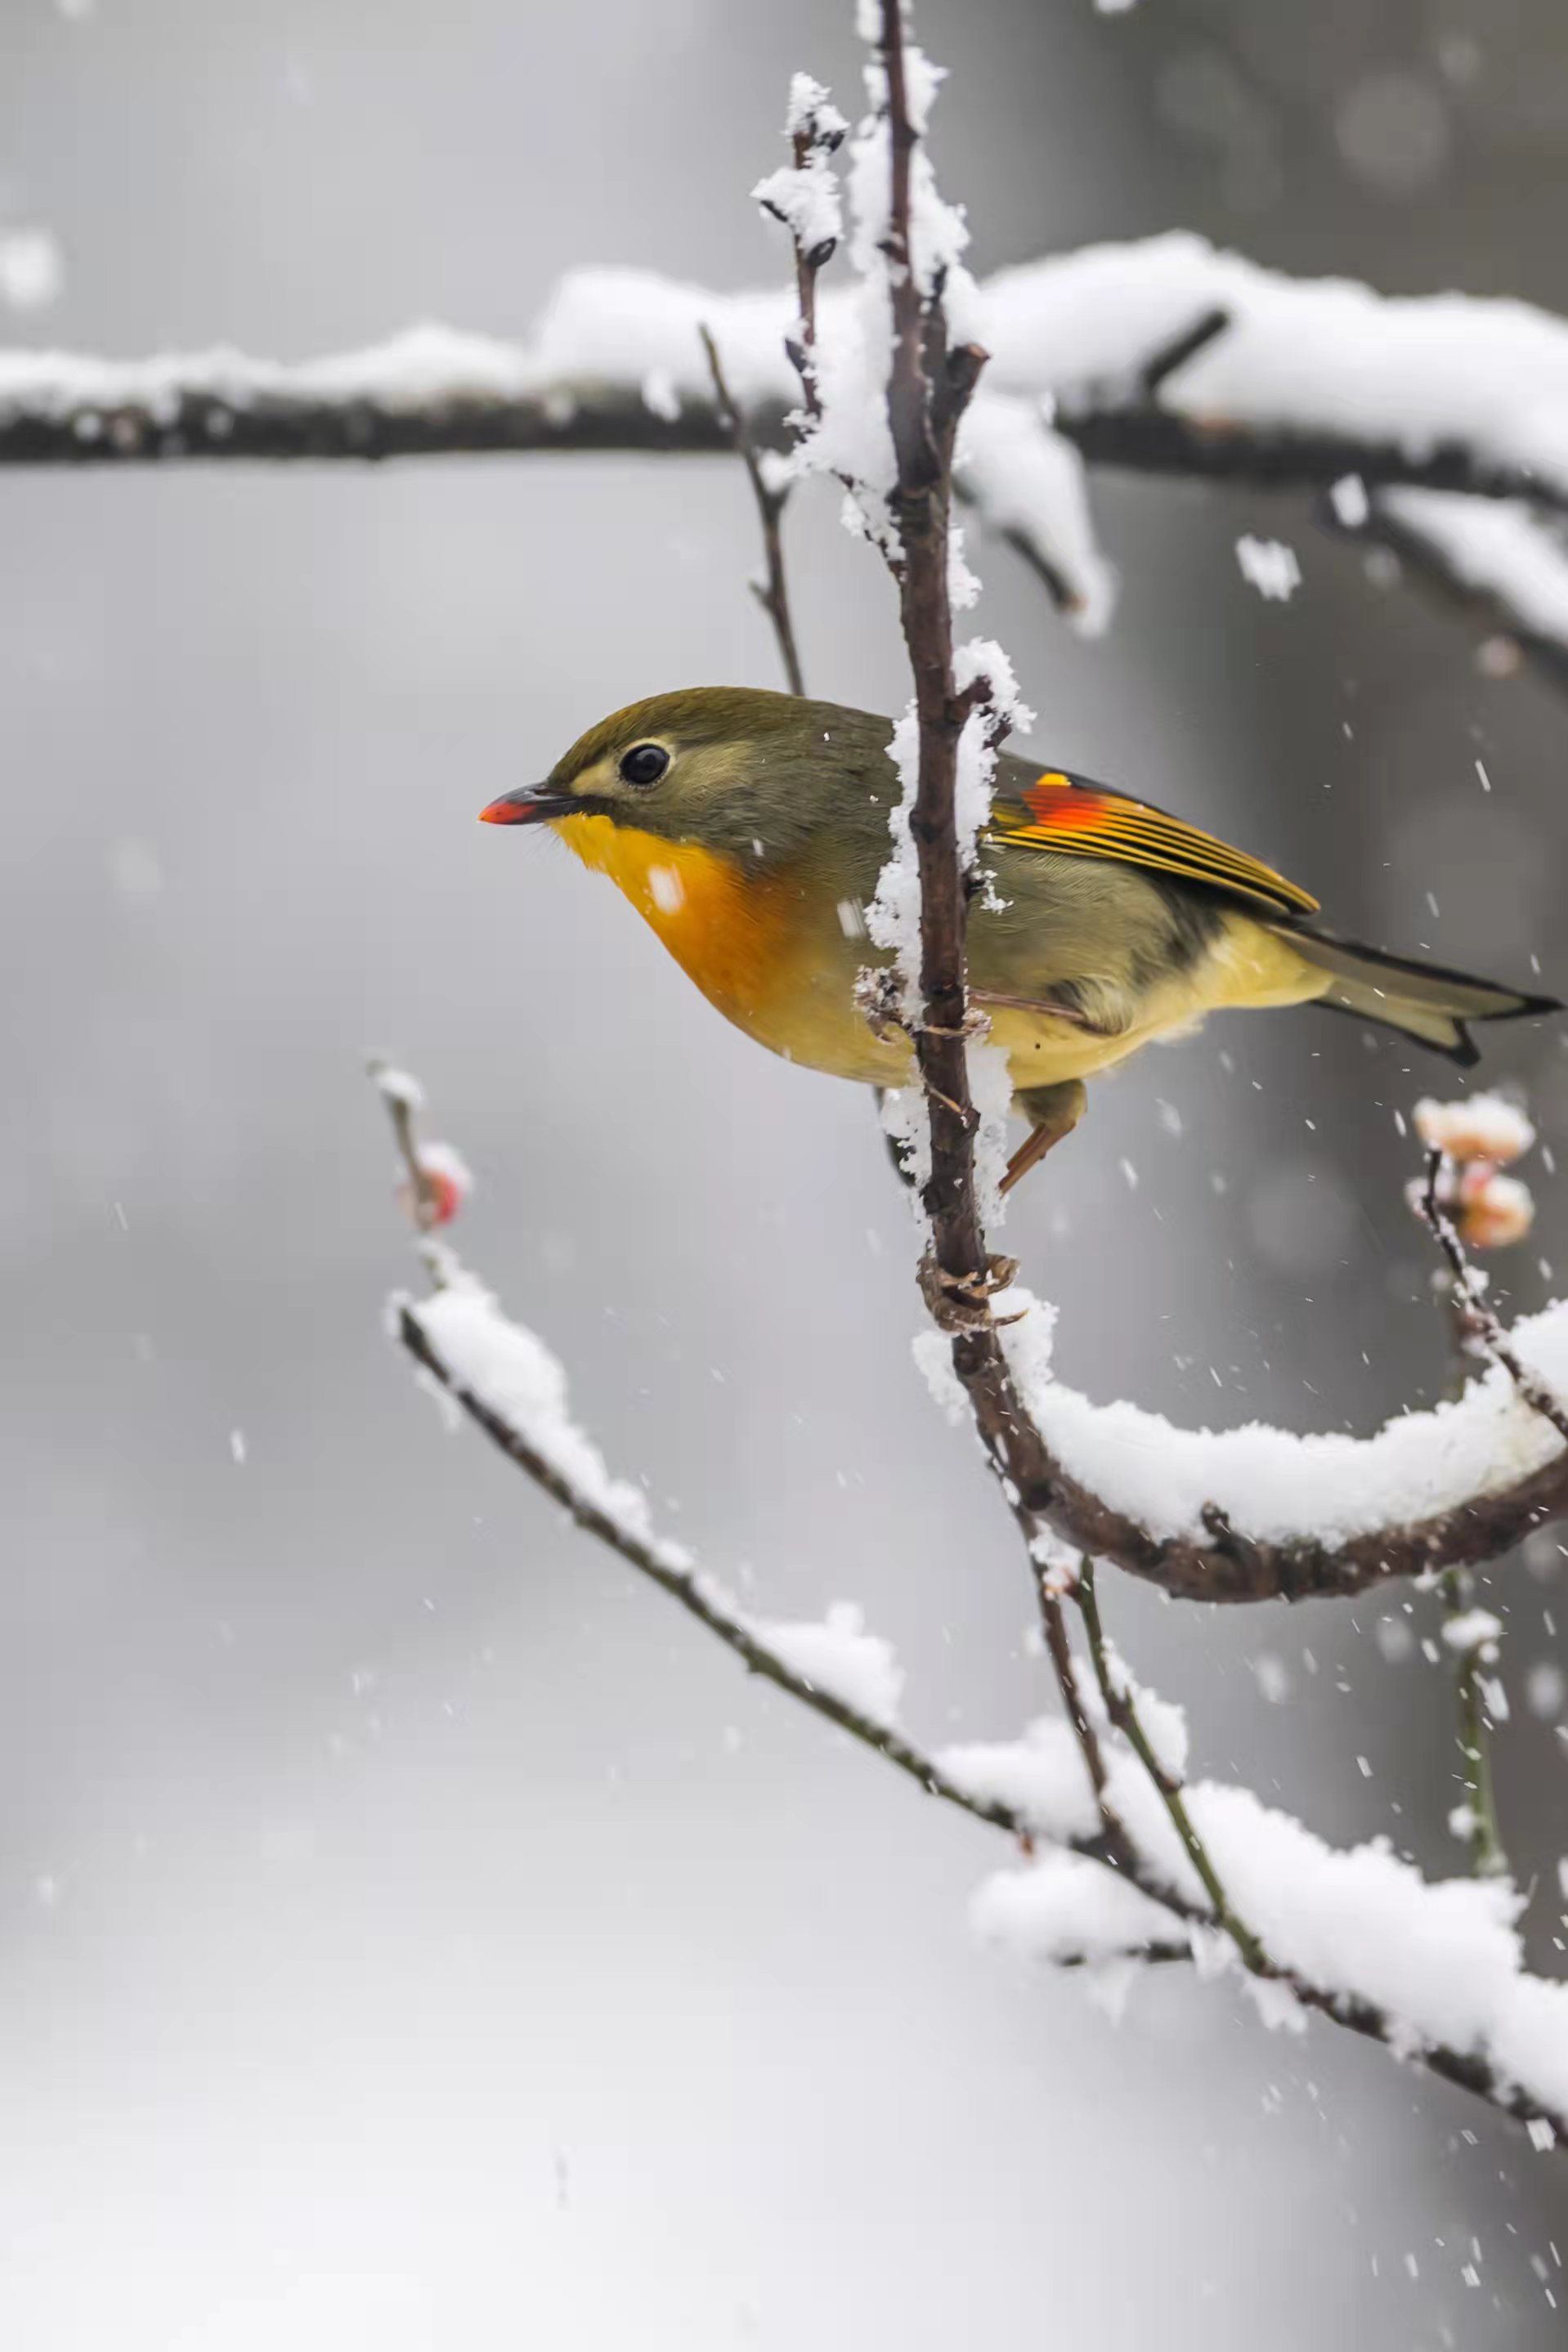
411,1935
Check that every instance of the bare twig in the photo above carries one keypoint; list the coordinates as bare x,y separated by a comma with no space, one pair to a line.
1060,1649
1122,1710
1480,1325
772,594
1164,362
813,138
400,1096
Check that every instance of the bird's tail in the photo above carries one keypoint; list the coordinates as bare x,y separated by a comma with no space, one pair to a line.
1424,1001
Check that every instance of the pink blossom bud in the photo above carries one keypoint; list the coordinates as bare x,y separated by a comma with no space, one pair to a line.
449,1181
1492,1210
1482,1126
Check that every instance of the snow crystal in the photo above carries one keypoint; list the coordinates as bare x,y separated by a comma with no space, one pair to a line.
1475,1630
1394,1640
1544,1690
1479,1127
1269,566
838,1656
32,273
1064,1908
1273,1677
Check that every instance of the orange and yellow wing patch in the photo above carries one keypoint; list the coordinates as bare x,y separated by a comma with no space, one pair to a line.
1069,815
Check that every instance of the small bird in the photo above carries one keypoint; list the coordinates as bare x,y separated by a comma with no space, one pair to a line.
750,829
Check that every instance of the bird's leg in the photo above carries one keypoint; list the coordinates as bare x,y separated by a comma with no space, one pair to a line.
1052,1112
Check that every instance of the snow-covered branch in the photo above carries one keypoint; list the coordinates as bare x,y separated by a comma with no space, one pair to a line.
1162,356
1499,563
507,1383
1431,1971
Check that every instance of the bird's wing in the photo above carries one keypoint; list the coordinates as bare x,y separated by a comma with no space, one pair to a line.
1082,819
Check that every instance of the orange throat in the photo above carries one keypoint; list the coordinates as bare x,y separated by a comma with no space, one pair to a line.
726,928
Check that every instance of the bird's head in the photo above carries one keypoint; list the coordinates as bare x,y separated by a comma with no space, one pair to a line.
735,770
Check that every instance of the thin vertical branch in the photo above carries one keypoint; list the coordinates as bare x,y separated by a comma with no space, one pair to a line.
812,138
773,592
1122,1710
401,1096
929,386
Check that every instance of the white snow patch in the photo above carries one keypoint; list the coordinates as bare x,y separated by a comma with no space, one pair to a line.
838,1655
399,1085
661,396
1474,1629
1545,1689
1041,1776
1063,1908
1499,547
32,271
1277,1486
1269,566
1030,484
508,1369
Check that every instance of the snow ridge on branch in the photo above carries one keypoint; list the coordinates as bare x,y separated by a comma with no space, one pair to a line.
1162,356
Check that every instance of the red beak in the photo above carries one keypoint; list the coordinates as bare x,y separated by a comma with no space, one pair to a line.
525,807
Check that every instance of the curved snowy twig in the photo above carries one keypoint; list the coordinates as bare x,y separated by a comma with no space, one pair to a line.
506,1383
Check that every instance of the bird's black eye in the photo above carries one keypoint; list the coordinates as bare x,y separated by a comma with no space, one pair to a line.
644,763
